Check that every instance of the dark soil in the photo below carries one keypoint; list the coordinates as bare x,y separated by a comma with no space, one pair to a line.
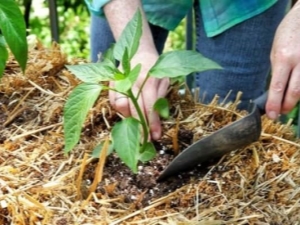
141,188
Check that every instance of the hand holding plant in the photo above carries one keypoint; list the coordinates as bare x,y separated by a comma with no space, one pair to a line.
153,89
127,140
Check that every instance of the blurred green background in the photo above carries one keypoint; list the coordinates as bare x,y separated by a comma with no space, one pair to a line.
74,30
73,20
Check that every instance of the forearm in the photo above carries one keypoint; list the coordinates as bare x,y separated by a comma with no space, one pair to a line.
120,12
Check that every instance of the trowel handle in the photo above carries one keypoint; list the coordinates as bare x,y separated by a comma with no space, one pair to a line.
261,103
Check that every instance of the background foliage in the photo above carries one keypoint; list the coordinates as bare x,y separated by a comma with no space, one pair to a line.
74,22
73,18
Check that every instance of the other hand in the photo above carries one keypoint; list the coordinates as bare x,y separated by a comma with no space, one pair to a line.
284,91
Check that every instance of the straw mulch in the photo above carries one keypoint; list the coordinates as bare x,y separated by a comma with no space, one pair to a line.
259,184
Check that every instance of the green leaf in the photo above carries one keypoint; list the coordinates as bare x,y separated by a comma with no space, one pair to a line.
148,153
93,72
130,37
181,63
126,140
98,149
126,62
293,114
3,55
109,54
78,104
119,76
123,85
13,28
134,73
161,106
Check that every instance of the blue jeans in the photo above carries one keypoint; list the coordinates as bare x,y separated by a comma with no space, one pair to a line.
243,51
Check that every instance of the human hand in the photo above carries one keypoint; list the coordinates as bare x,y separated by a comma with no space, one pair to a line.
153,89
284,91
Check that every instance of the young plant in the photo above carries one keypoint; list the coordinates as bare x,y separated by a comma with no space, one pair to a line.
12,33
127,140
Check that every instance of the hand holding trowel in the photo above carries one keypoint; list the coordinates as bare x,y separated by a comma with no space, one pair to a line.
233,136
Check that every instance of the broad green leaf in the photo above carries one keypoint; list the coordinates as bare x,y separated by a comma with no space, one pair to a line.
3,55
148,153
13,28
126,62
123,85
93,72
130,37
119,76
161,106
126,83
99,147
109,54
134,73
126,140
181,63
76,109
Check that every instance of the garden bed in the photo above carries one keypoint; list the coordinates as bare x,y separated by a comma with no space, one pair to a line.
259,184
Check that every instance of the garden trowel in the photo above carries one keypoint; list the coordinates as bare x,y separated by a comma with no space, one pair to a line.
231,137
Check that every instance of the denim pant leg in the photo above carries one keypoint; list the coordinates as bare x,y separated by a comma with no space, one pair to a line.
102,37
243,51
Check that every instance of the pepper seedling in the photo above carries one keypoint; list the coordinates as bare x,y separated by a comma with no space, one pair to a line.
130,135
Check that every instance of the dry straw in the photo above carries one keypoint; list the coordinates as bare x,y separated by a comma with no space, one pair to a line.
259,184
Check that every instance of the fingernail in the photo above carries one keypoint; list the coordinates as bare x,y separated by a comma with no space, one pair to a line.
272,115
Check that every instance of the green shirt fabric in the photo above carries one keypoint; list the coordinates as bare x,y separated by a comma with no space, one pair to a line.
217,15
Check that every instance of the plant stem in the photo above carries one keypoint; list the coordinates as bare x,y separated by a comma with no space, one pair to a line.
142,86
143,120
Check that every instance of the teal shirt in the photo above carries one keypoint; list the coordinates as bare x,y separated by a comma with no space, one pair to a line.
218,15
